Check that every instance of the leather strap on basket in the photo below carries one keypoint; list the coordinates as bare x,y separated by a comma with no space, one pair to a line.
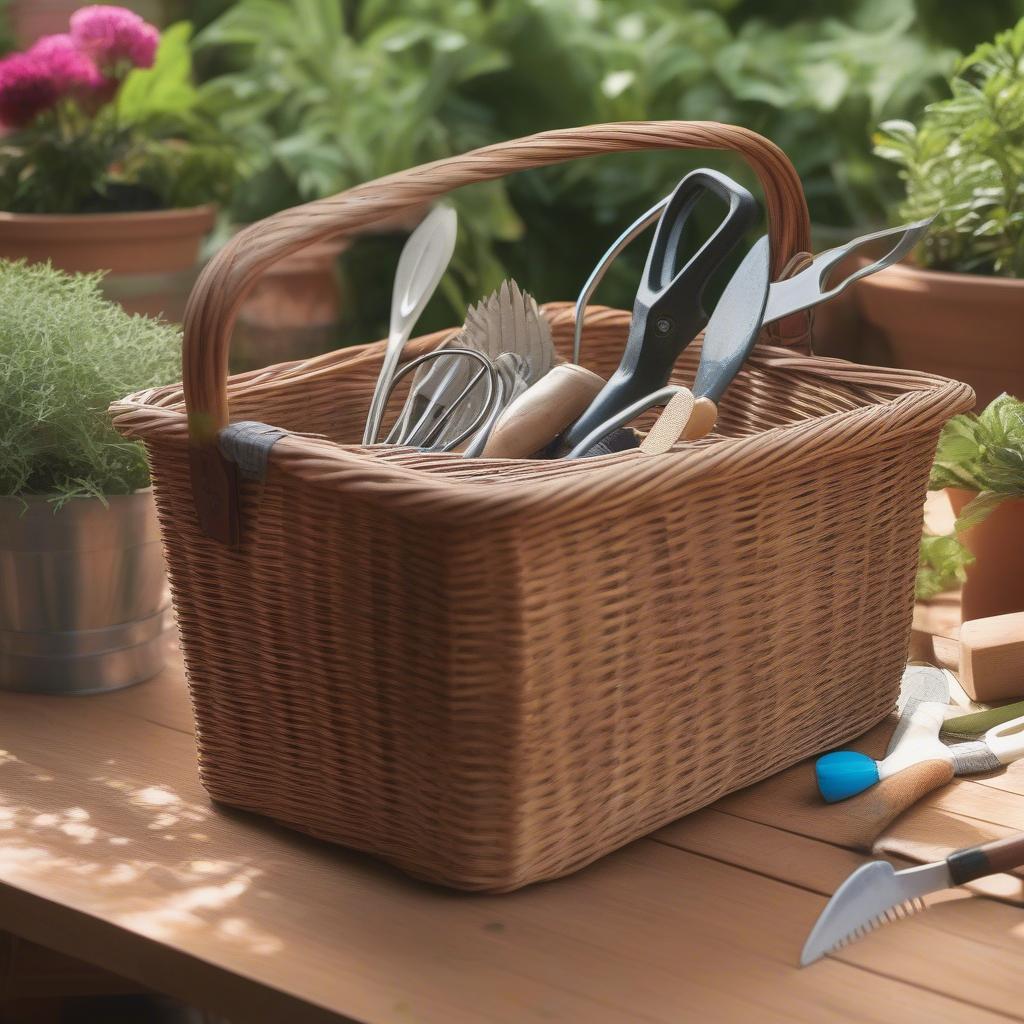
221,288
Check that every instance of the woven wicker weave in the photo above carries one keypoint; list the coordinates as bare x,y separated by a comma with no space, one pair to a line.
491,672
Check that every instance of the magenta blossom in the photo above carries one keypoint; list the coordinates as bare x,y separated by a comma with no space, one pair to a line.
26,89
114,37
71,71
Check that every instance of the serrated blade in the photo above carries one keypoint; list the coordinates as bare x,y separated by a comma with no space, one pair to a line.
873,895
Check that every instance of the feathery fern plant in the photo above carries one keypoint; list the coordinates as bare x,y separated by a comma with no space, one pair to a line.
66,353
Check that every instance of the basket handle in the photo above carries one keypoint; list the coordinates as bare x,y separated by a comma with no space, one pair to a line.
224,283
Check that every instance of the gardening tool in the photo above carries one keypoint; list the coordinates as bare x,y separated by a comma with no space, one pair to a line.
435,420
807,288
531,421
970,725
424,259
801,291
507,329
508,323
845,773
668,311
920,684
731,334
876,894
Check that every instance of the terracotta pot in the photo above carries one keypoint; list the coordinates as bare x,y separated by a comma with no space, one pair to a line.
150,242
292,311
30,19
963,326
151,256
995,580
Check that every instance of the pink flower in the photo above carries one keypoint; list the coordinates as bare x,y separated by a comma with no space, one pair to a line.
26,89
113,37
71,71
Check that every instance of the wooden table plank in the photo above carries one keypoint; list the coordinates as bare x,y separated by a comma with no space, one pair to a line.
111,852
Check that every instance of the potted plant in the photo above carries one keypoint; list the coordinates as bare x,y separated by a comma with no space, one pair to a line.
980,460
957,311
83,601
110,161
31,19
320,102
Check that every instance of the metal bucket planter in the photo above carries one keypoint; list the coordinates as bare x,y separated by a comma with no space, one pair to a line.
83,596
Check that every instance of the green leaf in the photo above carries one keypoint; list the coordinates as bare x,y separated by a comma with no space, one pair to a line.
942,565
166,87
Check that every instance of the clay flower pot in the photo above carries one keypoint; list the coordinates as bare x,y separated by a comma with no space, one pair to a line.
30,19
151,255
963,326
292,311
995,580
150,242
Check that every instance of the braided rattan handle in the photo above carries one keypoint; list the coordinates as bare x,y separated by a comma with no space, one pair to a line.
223,285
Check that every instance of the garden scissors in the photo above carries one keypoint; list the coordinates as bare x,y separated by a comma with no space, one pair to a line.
791,295
669,310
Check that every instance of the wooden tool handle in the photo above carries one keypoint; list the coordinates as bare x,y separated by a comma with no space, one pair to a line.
987,859
543,411
684,418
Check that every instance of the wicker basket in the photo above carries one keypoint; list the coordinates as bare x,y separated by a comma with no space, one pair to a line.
492,672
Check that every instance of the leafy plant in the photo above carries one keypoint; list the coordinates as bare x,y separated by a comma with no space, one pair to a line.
106,117
983,453
965,163
66,353
320,104
815,85
323,107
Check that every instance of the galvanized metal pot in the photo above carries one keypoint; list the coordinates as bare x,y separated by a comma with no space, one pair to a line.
83,597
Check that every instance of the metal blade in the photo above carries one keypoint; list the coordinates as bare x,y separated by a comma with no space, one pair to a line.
874,894
807,288
734,325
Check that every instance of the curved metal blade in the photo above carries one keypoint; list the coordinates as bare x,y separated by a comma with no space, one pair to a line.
873,895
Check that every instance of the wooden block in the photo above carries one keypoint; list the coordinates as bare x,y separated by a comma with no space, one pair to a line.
992,657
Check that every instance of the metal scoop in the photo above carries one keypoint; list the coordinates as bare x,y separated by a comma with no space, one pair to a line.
424,259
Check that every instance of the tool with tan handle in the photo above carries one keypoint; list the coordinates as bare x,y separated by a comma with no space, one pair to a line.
540,414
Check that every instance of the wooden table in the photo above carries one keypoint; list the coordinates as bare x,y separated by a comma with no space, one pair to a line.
111,852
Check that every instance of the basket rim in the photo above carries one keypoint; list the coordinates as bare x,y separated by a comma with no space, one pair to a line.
921,402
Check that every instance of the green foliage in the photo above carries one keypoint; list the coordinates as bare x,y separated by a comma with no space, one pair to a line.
814,85
325,94
65,354
983,453
318,108
942,565
7,40
965,162
155,146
